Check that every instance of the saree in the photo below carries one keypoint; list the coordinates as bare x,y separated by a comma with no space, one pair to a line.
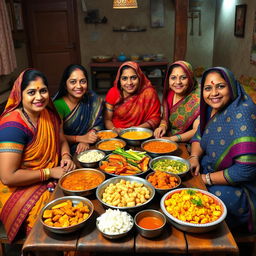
228,140
181,115
87,115
144,106
40,148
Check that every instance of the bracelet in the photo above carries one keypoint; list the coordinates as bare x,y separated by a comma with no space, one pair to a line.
179,137
75,139
164,125
193,156
47,173
208,179
42,175
66,153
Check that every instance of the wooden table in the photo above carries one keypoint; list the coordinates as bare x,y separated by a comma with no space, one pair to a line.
218,241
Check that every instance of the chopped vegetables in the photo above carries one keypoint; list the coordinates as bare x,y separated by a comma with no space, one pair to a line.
163,180
127,162
169,165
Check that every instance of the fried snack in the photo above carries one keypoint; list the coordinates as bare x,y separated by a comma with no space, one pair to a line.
65,214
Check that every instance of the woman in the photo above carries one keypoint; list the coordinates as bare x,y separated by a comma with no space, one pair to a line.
79,108
33,149
226,144
181,99
132,101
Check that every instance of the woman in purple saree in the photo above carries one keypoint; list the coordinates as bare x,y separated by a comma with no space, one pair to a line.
225,143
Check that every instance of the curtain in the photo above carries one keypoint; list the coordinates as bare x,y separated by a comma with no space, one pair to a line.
7,53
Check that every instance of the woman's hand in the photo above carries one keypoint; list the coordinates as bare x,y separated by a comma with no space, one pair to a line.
67,164
195,165
57,172
90,137
81,147
118,130
160,132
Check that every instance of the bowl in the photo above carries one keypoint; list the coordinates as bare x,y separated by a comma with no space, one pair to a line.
182,169
102,58
125,166
114,224
141,133
162,191
90,158
109,145
193,227
114,196
75,201
75,177
107,134
159,147
150,223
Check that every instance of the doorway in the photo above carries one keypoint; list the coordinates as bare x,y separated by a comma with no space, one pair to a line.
53,37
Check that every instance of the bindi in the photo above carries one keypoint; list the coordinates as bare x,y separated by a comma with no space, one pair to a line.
212,82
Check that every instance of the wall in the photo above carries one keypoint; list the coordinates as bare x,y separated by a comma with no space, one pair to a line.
99,39
200,48
231,51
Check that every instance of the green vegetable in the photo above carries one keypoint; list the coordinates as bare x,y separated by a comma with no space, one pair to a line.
191,192
197,202
124,153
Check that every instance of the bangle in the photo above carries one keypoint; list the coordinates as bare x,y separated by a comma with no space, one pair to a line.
66,153
75,138
193,156
164,125
47,173
42,175
208,179
179,137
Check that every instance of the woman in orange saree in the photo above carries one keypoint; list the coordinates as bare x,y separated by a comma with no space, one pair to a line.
33,150
132,101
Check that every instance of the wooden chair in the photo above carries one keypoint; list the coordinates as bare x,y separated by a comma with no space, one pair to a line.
4,240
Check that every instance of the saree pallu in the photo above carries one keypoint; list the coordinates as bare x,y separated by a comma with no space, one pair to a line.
182,115
42,152
228,140
136,109
85,116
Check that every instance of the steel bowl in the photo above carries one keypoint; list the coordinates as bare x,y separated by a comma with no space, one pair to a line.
146,232
101,189
176,158
80,192
155,154
191,227
115,235
109,151
109,134
102,58
135,142
75,200
117,175
90,163
164,191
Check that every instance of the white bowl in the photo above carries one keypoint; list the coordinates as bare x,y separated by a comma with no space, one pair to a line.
191,227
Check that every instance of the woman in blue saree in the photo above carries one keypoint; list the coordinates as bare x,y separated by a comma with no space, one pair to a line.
79,108
224,147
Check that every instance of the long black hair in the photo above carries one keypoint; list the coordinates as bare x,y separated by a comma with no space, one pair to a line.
62,91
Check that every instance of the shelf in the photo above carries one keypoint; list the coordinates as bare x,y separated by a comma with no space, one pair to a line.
130,30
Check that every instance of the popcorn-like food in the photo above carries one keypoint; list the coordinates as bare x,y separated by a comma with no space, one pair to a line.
193,206
125,194
65,214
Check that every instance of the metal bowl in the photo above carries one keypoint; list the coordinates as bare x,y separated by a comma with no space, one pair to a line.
155,154
116,235
75,200
176,158
90,163
80,192
190,227
98,145
164,191
102,58
101,189
117,175
146,232
108,134
135,142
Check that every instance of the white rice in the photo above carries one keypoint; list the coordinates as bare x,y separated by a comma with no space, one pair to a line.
90,157
115,222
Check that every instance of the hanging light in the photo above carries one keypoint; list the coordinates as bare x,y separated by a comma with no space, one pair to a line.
125,4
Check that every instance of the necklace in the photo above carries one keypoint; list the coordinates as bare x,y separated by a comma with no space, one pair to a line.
27,117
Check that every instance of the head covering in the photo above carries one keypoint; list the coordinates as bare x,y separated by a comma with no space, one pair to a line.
236,93
143,80
15,97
